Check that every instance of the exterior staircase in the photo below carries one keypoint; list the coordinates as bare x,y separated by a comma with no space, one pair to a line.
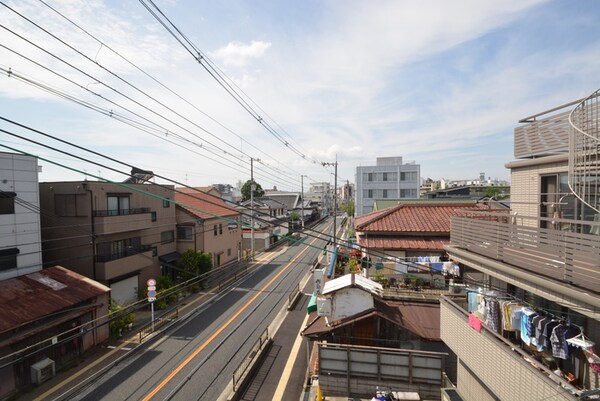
584,151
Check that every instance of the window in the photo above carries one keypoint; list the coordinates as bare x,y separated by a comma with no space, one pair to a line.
215,229
220,228
385,193
185,233
167,237
369,176
228,251
112,250
8,258
117,204
7,202
408,193
69,205
154,251
167,202
369,193
408,176
153,216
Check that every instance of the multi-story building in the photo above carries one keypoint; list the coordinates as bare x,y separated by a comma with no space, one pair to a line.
20,239
390,178
113,233
544,256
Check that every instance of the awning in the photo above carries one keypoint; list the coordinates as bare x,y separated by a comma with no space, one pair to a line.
169,257
312,304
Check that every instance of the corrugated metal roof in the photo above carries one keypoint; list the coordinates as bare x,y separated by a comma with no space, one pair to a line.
420,318
30,297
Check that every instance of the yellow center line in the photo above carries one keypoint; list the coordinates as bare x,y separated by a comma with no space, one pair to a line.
220,330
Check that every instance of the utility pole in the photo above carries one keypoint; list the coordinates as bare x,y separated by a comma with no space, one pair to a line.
302,199
334,195
252,189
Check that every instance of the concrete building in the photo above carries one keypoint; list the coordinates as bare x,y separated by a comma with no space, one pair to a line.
112,233
544,257
20,239
390,178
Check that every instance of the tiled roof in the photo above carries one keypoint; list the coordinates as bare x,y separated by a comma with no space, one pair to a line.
411,218
25,299
205,206
400,243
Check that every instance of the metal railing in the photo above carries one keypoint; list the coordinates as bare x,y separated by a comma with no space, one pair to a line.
240,372
121,212
158,323
102,258
570,256
584,151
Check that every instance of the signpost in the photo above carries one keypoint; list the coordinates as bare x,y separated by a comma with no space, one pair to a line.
151,297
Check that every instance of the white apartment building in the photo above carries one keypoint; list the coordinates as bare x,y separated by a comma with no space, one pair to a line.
20,239
390,178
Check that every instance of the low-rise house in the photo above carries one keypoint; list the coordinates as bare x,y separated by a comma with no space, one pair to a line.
207,223
47,318
270,222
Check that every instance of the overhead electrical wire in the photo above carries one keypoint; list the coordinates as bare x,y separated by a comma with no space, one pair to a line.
105,45
97,80
215,73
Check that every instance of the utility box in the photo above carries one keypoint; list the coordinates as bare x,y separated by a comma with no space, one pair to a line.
42,371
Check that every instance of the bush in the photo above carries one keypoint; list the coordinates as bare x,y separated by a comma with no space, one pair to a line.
120,319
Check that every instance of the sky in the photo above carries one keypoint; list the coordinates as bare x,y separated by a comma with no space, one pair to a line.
440,83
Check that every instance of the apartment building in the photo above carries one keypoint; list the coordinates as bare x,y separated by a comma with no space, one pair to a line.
110,232
544,257
390,178
20,237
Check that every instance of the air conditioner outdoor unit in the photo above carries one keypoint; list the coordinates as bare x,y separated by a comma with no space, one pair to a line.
42,371
451,394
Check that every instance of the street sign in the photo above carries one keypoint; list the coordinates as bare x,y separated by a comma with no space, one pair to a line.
151,299
151,288
151,282
151,294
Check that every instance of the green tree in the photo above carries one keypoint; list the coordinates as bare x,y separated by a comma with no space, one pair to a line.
119,318
492,192
348,208
258,191
294,216
195,263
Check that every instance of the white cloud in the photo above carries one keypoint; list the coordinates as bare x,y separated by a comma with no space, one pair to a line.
238,54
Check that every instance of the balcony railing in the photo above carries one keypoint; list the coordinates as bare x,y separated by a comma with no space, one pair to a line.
121,212
122,254
570,255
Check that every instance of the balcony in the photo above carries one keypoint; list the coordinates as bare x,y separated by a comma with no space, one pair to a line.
115,221
115,265
488,360
570,255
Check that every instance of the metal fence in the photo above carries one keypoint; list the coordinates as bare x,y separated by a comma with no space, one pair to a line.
241,370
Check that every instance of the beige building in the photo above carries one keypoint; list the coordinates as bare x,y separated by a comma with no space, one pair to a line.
206,223
546,257
112,233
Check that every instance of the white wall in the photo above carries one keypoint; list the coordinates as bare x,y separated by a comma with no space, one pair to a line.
350,301
19,174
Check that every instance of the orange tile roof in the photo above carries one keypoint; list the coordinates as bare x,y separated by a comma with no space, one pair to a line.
412,218
205,206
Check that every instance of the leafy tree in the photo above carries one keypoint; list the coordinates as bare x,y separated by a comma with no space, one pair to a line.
195,263
258,191
294,216
119,318
492,192
348,208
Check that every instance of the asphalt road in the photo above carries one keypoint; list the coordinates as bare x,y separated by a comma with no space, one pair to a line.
196,359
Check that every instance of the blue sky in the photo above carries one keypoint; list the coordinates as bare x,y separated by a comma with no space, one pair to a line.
441,83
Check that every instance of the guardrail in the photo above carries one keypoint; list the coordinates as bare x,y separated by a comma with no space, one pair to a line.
241,372
158,323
